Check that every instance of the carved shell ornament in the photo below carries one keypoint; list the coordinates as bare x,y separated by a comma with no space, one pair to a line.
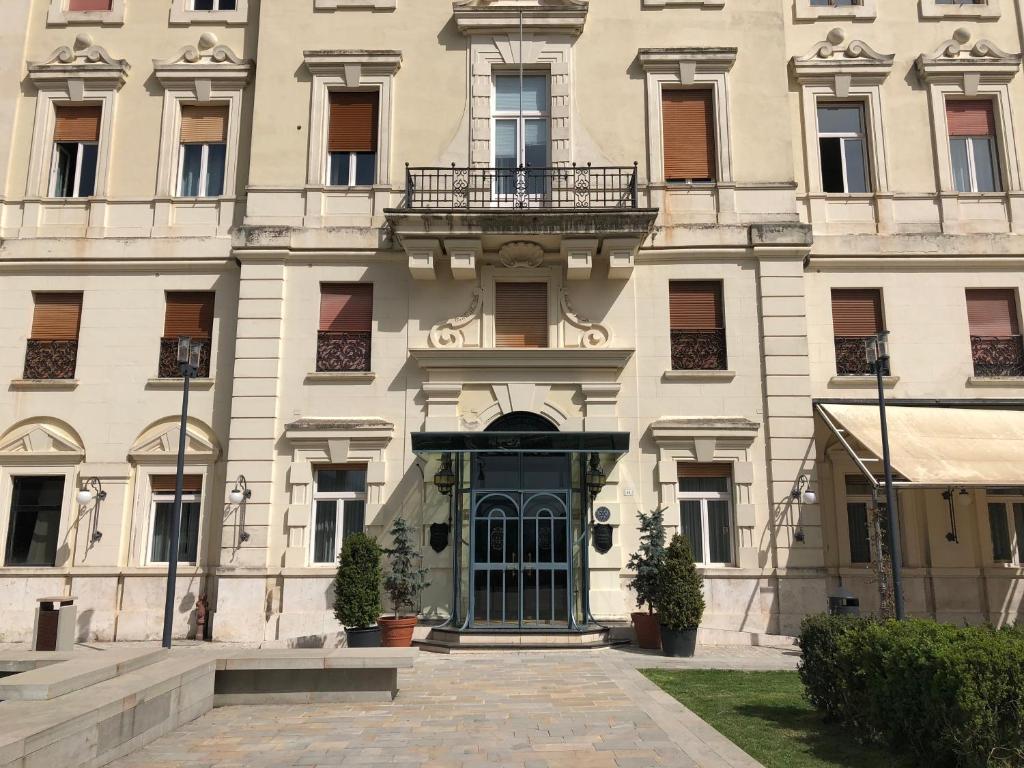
521,255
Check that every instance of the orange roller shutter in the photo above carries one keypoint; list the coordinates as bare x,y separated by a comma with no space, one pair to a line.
856,311
689,135
88,5
189,313
346,307
204,124
521,315
77,122
165,483
687,469
695,305
353,122
970,118
992,312
57,316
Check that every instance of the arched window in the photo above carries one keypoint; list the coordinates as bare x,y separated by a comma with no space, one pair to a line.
521,421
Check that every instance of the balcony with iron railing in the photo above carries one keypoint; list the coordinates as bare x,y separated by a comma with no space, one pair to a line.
998,356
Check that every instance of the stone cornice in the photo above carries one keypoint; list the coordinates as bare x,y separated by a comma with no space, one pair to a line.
349,62
956,61
207,60
830,59
484,16
82,61
481,358
700,60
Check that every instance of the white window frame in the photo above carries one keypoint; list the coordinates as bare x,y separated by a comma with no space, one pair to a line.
182,13
520,119
1005,151
352,162
58,15
1008,499
204,178
78,170
704,497
930,9
163,498
971,168
804,11
341,498
864,136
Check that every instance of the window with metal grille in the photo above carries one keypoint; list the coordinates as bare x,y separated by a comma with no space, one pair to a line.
187,314
996,345
52,348
856,316
697,324
346,327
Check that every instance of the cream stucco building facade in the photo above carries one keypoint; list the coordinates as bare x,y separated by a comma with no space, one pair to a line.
255,162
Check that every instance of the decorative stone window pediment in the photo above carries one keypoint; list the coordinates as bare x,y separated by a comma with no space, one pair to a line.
71,67
42,441
957,61
554,16
158,444
830,61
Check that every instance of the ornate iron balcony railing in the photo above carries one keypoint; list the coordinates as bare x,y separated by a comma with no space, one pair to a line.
170,368
851,357
50,359
572,187
699,350
998,355
337,352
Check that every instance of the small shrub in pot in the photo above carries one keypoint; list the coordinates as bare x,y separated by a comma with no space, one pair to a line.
646,563
357,591
403,584
680,599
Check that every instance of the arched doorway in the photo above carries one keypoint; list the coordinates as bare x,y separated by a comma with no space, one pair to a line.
521,421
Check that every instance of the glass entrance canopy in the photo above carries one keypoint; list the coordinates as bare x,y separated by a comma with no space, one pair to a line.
520,516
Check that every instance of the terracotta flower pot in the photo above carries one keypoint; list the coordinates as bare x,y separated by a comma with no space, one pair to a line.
648,630
397,633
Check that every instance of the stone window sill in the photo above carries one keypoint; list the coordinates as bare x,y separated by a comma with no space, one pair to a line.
59,16
698,375
933,10
806,12
43,384
340,377
177,383
336,5
996,382
182,15
857,382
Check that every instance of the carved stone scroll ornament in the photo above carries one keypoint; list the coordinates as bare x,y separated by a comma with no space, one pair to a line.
594,335
448,335
209,50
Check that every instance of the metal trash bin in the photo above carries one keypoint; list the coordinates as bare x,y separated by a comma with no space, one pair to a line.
843,603
54,628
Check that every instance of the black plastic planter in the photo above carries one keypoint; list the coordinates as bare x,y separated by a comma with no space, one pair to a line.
678,642
363,638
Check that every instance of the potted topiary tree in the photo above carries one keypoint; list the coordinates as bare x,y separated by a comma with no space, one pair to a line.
403,584
357,591
680,599
646,564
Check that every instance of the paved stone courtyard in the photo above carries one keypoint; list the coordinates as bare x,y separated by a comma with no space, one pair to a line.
584,709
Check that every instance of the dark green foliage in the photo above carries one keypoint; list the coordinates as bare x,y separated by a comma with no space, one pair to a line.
680,596
646,562
950,696
404,582
357,583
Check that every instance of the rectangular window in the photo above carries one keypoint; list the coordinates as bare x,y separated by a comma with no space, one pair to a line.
522,114
213,5
856,315
203,151
339,505
843,146
996,345
836,3
52,348
697,324
187,314
352,138
1006,524
89,5
34,528
858,502
76,136
346,327
521,315
972,145
688,118
705,511
163,514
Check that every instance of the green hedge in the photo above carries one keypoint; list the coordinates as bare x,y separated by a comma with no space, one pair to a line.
951,696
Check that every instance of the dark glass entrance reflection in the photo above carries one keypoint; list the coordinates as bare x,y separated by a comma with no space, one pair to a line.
520,533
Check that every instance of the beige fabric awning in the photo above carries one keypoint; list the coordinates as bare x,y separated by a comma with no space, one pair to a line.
941,446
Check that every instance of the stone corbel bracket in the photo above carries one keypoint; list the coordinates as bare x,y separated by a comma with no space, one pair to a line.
449,335
832,62
566,17
76,64
956,61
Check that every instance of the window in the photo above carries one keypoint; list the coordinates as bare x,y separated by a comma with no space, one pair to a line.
843,146
972,145
697,324
996,346
34,527
346,327
76,137
808,10
521,315
203,151
1006,523
834,3
689,135
521,131
856,315
187,313
52,348
705,511
213,5
339,504
89,5
858,501
163,515
352,138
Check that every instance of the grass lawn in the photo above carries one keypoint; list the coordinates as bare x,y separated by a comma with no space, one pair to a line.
766,715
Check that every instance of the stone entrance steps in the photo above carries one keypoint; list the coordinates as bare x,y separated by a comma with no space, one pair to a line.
452,641
74,672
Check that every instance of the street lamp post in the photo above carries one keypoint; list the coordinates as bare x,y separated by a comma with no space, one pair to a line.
877,350
188,359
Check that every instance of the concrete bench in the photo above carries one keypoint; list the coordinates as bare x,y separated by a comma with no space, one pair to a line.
310,675
15,662
75,673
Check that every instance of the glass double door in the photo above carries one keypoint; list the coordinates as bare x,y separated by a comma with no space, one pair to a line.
521,564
